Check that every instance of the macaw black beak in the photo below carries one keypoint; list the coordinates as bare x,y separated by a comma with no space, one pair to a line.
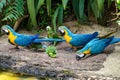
61,31
4,30
80,56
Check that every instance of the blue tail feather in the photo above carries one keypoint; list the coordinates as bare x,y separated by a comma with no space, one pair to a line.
47,40
95,34
115,40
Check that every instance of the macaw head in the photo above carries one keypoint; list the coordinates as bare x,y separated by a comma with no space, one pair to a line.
48,28
6,29
63,30
80,55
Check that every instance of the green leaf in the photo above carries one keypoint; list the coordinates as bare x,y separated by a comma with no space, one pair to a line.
48,3
60,16
75,4
14,10
32,12
64,3
100,4
78,6
39,4
82,15
54,18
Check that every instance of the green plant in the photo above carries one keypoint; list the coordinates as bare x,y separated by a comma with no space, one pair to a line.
11,10
117,4
33,8
82,9
14,10
51,51
57,16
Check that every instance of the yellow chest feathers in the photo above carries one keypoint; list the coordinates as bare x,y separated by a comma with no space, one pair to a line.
67,37
11,37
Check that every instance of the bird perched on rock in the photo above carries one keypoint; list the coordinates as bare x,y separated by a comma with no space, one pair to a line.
96,46
76,40
16,38
52,34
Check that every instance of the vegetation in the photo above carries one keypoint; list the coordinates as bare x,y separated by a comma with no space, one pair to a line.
51,51
48,12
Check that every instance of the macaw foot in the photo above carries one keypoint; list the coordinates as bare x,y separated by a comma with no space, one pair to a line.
40,50
73,48
68,49
27,47
16,47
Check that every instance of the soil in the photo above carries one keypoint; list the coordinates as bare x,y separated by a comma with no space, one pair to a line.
26,61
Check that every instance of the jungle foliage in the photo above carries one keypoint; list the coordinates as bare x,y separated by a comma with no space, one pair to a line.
52,12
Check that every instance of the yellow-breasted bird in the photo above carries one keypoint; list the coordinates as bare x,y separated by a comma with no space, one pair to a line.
97,45
76,40
18,39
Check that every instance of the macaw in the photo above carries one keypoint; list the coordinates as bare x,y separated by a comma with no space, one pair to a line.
52,34
96,46
16,38
76,40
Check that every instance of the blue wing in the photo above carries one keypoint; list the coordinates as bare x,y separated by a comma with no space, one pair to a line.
115,40
82,39
25,40
97,45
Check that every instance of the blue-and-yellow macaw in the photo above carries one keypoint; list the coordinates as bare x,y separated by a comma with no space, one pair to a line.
16,38
76,40
23,39
96,46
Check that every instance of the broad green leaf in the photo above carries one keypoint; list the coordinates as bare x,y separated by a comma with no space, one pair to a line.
60,15
78,6
54,18
82,15
64,3
48,3
75,4
31,9
39,4
94,8
100,4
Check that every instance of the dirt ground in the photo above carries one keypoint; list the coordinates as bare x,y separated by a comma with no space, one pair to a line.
25,60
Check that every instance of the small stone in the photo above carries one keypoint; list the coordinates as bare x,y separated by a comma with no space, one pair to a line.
89,79
93,77
108,78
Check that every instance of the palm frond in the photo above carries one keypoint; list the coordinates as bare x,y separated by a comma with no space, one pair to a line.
3,3
14,10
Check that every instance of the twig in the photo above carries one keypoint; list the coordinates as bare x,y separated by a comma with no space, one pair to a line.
116,13
18,22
